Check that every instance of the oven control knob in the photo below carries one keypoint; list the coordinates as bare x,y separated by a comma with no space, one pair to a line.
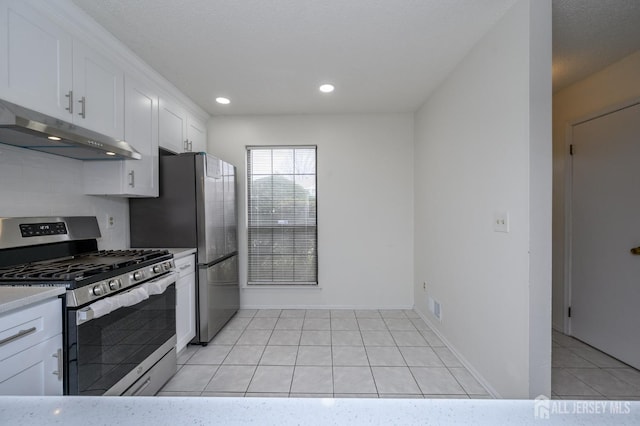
137,276
97,290
167,266
157,269
114,284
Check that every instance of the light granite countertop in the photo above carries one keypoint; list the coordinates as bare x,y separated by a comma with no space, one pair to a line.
155,411
16,297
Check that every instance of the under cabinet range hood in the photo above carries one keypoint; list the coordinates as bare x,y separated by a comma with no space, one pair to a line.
32,130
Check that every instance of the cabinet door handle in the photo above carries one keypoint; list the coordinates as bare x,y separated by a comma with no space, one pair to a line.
83,111
183,267
190,146
186,145
132,178
18,335
59,371
70,97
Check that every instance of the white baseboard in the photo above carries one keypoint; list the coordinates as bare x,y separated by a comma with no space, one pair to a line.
402,307
462,359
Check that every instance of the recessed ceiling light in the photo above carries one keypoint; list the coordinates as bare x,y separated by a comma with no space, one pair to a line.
327,88
110,153
54,138
223,101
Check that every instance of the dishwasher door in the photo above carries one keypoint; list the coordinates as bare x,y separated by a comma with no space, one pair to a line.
218,297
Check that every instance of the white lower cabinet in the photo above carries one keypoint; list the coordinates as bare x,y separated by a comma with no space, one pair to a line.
31,350
185,301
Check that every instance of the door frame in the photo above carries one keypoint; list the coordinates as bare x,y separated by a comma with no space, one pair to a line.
568,211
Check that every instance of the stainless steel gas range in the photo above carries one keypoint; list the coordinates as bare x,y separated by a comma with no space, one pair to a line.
118,310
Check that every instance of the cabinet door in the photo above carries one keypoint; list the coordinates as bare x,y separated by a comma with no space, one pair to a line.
34,371
98,91
131,178
196,135
35,60
173,126
141,131
185,310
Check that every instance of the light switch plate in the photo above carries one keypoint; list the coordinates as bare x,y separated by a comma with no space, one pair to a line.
501,221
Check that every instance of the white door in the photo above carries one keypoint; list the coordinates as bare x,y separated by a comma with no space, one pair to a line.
605,275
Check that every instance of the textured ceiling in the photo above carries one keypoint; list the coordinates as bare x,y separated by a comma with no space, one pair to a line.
588,35
269,56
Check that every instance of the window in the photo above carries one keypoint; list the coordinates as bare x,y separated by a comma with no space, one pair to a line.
282,225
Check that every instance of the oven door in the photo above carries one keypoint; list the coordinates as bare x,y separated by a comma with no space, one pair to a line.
113,342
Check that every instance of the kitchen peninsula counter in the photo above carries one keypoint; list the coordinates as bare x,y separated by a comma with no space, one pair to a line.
142,411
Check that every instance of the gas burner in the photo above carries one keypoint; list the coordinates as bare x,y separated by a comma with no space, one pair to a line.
87,267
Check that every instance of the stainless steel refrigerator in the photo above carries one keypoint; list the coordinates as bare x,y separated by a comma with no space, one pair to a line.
196,208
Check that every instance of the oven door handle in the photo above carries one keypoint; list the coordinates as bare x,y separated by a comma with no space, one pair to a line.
159,285
132,297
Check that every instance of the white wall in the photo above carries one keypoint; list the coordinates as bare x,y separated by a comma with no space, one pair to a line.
616,84
483,145
38,184
365,207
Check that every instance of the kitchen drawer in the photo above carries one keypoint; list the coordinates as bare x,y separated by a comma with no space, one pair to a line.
23,328
35,371
186,265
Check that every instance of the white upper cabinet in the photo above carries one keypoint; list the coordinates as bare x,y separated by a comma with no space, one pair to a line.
132,178
173,127
44,68
196,135
141,131
35,61
98,92
179,130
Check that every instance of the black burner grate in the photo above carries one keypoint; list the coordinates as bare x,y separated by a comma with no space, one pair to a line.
79,267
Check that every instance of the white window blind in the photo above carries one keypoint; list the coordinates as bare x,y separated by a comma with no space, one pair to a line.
282,218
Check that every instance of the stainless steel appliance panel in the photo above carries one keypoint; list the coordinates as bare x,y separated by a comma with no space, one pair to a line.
156,377
106,355
24,232
169,220
196,208
230,208
210,209
218,297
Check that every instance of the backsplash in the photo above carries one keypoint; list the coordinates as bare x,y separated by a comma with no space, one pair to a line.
39,184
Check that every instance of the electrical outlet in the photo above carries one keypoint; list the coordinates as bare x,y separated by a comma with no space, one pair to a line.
424,285
501,221
111,222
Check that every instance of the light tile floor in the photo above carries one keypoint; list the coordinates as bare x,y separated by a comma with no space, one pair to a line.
324,353
580,371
